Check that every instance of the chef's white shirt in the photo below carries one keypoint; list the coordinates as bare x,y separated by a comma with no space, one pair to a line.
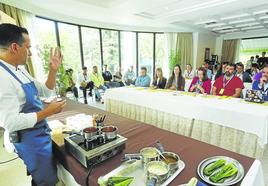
12,99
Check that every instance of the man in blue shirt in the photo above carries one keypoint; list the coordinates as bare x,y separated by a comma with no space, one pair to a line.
143,80
262,84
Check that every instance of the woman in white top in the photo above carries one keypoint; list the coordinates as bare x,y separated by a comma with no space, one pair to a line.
189,72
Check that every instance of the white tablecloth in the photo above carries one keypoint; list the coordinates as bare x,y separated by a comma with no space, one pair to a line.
231,112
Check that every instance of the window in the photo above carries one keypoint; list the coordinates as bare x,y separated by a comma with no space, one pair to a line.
128,51
110,49
160,53
146,52
69,40
45,38
91,48
252,47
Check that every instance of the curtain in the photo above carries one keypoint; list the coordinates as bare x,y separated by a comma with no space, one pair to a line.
229,50
184,46
21,20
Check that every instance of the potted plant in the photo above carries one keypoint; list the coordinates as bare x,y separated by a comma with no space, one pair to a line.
174,58
45,56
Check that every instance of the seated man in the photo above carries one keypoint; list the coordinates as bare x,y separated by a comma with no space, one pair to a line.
129,77
98,82
143,80
244,76
228,84
118,78
85,83
107,76
69,84
262,84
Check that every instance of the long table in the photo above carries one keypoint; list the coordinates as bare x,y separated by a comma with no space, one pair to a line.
230,123
140,135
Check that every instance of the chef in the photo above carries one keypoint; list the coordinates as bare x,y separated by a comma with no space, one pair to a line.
21,112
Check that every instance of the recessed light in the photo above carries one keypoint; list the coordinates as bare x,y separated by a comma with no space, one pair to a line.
253,27
205,22
235,16
260,12
247,24
214,25
222,28
242,21
263,17
231,30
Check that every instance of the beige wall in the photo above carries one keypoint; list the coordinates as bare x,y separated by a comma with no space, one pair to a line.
6,19
204,41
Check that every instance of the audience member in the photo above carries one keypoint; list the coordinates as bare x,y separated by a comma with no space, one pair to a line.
143,80
209,72
222,70
129,77
118,78
69,84
85,83
228,84
249,63
159,81
98,83
244,76
262,83
189,72
201,83
176,81
262,61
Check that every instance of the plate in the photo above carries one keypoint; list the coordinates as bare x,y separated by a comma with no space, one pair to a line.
136,170
49,100
229,181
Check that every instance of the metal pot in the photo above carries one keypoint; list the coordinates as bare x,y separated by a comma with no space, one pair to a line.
157,172
171,159
109,132
149,154
90,132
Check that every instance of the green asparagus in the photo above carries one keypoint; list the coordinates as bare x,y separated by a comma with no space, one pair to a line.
211,168
114,181
225,172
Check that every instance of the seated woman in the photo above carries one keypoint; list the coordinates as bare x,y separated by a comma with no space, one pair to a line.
176,81
201,84
189,72
159,81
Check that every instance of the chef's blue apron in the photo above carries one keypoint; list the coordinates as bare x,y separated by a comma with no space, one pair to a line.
35,146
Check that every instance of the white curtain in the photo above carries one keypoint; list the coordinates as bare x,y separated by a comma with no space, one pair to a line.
171,42
29,20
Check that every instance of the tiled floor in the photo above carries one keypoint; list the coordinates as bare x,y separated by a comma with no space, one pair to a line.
14,172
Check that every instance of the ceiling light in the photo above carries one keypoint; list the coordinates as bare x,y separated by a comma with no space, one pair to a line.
260,12
242,21
214,25
231,30
247,24
253,27
235,16
204,22
222,28
263,17
195,7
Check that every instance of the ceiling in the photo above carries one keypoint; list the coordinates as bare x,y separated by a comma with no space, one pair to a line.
220,17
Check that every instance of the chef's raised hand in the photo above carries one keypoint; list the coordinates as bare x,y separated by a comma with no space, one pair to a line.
55,59
53,108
